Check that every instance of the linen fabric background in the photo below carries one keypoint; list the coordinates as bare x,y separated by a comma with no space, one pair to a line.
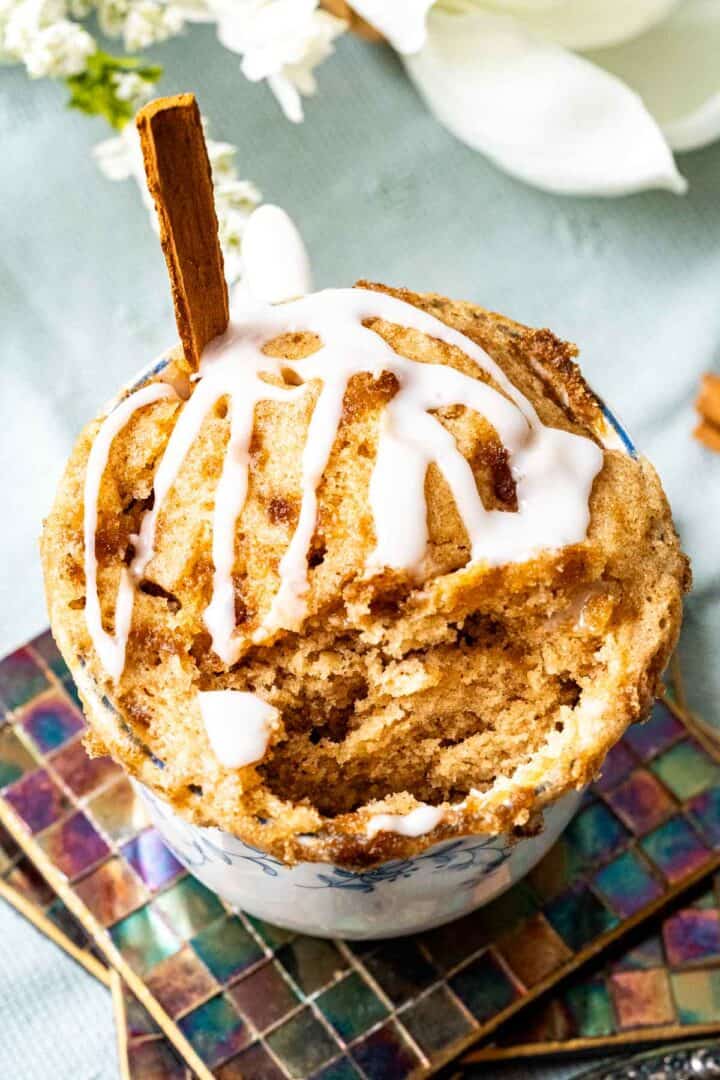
380,191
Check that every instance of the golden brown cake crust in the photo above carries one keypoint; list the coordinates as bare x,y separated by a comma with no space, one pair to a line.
487,690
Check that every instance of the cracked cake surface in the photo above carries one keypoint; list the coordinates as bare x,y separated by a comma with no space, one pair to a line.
483,688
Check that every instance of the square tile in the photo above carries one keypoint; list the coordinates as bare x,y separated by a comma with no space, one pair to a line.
436,1021
29,882
74,845
144,939
151,859
264,996
188,907
484,987
119,811
7,845
617,764
595,835
449,945
506,912
627,884
67,922
81,773
51,721
589,1009
660,730
401,969
457,941
692,935
675,848
556,871
351,1007
273,936
384,1054
340,1069
155,1059
37,800
181,982
138,1020
705,812
111,892
21,679
216,1030
255,1063
641,802
697,996
642,998
227,948
302,1044
643,956
44,646
686,769
533,950
706,900
311,962
15,757
579,917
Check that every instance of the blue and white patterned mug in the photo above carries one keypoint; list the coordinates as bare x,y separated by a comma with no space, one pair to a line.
403,896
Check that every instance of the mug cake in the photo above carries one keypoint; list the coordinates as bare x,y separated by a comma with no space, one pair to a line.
380,573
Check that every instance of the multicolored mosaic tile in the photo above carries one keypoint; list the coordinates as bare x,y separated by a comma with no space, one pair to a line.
22,885
235,995
666,985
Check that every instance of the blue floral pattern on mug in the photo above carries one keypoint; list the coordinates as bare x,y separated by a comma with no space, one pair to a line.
481,855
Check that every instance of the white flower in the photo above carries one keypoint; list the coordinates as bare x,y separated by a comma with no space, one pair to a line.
120,158
141,23
279,40
150,21
131,87
37,33
574,96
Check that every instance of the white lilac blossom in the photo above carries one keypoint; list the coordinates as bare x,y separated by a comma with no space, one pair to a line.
120,158
38,33
282,41
574,96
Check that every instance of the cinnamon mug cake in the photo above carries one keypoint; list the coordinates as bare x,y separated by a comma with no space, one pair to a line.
363,603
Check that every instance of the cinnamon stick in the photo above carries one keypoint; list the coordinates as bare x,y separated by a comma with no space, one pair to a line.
708,406
180,182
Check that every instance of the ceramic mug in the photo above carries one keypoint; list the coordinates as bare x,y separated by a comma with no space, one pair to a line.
402,896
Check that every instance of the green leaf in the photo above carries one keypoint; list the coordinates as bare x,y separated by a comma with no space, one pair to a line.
95,90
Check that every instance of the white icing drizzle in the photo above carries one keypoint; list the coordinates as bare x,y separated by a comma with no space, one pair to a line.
238,725
111,650
417,822
553,470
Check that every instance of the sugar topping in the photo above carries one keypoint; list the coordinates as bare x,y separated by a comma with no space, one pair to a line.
418,822
553,469
238,725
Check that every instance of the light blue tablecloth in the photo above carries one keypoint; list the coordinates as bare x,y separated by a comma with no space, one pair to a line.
380,191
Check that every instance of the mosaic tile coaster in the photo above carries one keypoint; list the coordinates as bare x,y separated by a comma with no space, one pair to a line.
665,986
143,1051
22,886
235,995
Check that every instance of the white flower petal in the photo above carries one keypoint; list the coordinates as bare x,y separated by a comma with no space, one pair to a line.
401,22
288,97
593,24
676,70
546,115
